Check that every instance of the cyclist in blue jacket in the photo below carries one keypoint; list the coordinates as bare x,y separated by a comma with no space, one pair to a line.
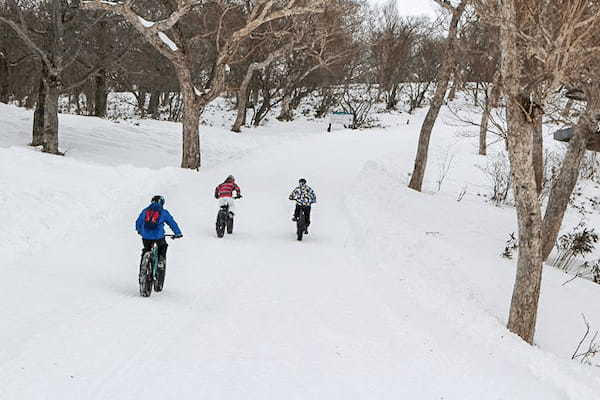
150,226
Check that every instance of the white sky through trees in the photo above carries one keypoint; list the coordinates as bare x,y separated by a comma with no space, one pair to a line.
413,7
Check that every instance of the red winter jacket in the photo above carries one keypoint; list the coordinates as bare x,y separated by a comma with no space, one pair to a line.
226,189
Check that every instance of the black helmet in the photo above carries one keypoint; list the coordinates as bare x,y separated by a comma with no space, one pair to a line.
158,199
302,181
230,178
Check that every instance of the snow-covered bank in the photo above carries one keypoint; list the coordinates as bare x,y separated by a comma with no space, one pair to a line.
394,294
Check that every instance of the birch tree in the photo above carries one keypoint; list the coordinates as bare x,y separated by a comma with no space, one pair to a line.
544,45
448,66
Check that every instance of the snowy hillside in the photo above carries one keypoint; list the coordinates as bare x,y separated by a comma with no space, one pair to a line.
393,295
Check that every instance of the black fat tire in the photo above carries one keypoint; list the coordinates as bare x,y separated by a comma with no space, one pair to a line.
221,222
160,280
300,226
230,225
145,276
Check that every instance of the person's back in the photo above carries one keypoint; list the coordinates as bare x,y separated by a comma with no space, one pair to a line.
224,193
305,197
150,226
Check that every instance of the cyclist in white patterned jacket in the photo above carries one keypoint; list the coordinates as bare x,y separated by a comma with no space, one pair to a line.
304,197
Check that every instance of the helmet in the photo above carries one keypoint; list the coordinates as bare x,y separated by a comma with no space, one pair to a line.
158,199
302,181
230,178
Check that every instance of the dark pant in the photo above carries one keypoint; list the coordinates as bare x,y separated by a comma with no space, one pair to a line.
306,210
162,247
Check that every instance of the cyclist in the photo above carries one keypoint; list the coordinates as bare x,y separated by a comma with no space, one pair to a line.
304,197
150,226
224,193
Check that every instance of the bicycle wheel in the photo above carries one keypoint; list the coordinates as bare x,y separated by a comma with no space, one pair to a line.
221,222
229,224
145,276
300,225
160,279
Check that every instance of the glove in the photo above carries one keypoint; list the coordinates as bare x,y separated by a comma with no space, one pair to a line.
177,236
239,196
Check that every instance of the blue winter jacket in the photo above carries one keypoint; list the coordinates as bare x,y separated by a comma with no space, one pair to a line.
159,232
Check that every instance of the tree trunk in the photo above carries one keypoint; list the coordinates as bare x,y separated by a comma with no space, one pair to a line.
100,94
242,106
416,180
255,96
39,115
453,88
191,136
286,112
4,79
483,127
327,100
51,118
192,109
141,102
153,109
524,304
538,151
392,100
77,97
563,186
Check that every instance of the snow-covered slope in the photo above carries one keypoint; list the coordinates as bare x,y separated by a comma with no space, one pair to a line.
394,294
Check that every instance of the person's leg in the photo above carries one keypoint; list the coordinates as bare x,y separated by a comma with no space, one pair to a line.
296,212
147,245
231,204
307,215
162,252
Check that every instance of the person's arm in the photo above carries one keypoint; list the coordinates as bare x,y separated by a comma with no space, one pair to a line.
313,196
293,195
172,224
237,189
217,192
139,222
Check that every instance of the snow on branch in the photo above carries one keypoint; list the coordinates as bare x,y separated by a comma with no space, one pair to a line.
167,40
153,31
146,23
125,10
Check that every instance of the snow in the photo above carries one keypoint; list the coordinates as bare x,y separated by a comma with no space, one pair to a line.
394,294
146,23
167,40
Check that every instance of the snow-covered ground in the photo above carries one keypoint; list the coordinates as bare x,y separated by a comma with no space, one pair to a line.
394,294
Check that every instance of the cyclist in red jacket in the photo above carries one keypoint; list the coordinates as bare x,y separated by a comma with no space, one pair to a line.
224,193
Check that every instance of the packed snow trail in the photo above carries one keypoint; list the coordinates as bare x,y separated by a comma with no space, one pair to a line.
251,313
368,306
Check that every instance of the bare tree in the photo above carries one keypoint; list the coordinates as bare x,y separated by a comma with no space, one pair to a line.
51,42
416,180
234,23
543,46
243,90
393,44
424,67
